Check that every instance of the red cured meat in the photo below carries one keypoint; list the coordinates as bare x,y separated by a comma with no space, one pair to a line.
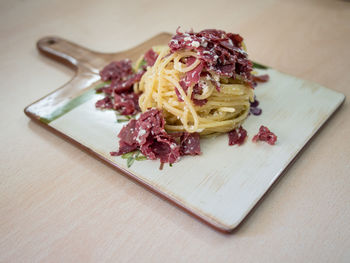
199,102
192,76
119,94
125,84
179,97
149,136
237,136
150,57
105,103
196,90
265,135
153,140
127,136
162,147
152,121
116,70
219,51
190,144
261,78
127,103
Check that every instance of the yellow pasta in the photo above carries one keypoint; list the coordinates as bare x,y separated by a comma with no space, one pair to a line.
224,110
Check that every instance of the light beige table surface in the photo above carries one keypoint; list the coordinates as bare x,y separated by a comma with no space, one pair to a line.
57,204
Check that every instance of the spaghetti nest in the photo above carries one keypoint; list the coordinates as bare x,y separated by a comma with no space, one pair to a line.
215,104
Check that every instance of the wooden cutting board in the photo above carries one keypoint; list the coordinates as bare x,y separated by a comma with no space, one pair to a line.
222,185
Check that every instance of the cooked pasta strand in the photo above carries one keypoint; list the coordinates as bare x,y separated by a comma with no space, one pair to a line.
224,110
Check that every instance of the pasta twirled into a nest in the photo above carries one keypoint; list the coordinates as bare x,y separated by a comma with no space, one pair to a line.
219,105
200,83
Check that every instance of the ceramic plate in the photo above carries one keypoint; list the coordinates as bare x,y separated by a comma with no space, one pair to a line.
223,184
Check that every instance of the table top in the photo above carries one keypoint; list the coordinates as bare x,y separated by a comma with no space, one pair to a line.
58,204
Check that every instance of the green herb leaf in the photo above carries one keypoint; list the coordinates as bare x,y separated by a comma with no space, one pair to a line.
132,156
130,161
142,63
103,84
170,164
259,66
141,158
128,155
122,120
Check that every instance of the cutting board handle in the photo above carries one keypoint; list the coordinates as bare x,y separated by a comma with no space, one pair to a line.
70,54
86,60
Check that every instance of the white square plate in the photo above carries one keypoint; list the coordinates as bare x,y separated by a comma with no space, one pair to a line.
223,184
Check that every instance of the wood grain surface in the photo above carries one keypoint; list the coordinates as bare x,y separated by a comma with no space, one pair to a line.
58,204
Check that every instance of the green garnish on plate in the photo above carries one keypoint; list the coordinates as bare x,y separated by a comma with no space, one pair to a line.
132,156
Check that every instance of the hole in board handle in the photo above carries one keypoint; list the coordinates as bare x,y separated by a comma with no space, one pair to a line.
51,41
